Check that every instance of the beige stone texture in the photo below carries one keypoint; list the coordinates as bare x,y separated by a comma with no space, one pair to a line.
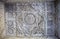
1,20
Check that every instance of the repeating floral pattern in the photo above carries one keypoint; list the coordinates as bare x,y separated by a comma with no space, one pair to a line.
24,19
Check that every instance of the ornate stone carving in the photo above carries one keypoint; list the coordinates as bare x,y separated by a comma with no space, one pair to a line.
29,22
30,19
50,18
10,21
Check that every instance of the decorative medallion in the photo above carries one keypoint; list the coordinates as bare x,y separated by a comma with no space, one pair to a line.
30,19
26,22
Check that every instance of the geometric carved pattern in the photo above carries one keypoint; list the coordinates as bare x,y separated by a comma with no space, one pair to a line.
25,21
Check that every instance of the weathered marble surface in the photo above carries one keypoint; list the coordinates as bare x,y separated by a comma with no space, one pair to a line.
27,20
24,19
30,19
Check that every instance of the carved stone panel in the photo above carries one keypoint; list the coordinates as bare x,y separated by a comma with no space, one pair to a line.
10,21
27,20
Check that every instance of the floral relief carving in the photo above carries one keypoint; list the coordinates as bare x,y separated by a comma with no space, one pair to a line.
28,21
30,18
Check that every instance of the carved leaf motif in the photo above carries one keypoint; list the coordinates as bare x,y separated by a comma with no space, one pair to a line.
28,21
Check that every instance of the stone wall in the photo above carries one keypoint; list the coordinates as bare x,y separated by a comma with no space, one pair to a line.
2,26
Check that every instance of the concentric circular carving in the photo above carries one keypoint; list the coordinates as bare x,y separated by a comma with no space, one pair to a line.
30,19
